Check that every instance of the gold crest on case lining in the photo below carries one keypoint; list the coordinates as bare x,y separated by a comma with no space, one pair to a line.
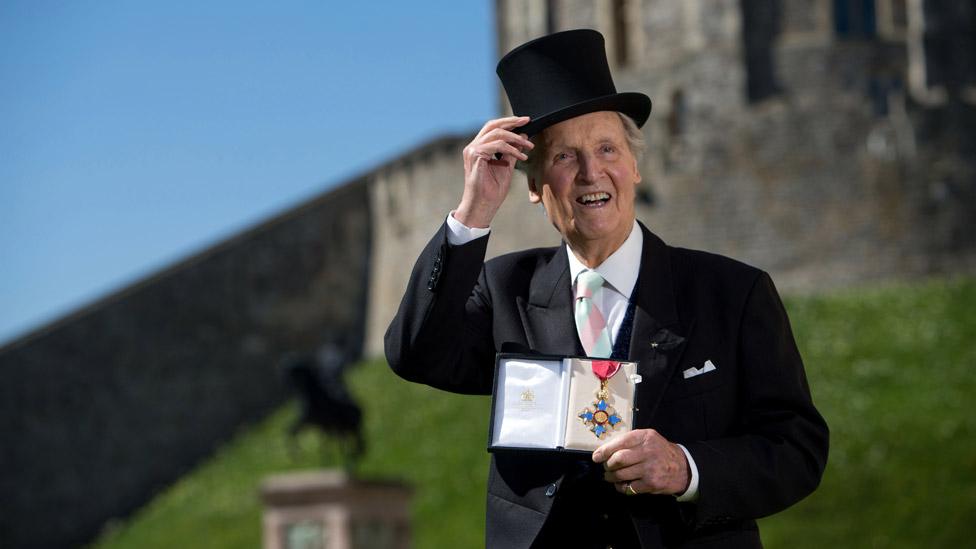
527,401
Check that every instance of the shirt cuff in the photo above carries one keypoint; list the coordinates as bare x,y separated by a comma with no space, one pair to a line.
691,494
458,233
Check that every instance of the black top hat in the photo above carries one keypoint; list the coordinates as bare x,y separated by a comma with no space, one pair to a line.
566,74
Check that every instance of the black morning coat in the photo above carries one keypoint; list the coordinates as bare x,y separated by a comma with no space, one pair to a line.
758,441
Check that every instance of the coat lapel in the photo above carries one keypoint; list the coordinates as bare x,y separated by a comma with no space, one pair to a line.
548,314
658,338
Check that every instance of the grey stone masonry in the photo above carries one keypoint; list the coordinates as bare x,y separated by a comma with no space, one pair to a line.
104,408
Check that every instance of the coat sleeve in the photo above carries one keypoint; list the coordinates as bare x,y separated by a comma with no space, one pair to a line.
779,452
442,332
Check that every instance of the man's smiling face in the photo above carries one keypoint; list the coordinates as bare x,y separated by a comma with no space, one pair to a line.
587,178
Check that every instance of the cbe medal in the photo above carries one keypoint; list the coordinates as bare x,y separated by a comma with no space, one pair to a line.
601,418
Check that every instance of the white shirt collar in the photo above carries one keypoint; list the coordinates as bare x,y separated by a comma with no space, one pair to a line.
620,270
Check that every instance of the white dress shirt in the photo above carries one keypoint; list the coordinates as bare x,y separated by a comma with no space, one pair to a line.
619,271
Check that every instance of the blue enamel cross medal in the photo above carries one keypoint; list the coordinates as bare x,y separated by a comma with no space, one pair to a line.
602,417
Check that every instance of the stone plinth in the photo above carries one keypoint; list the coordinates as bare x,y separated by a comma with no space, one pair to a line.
332,510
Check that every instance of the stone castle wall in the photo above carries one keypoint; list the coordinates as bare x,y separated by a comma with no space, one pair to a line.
104,408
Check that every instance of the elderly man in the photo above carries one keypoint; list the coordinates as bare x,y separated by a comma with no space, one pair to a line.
724,429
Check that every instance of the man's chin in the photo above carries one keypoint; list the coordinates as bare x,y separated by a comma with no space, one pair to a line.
590,235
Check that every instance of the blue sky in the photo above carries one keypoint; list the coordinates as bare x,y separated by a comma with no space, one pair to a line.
133,134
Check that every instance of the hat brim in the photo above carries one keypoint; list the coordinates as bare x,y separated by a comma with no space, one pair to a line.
633,104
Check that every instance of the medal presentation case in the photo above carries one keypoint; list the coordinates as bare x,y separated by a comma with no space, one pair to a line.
559,403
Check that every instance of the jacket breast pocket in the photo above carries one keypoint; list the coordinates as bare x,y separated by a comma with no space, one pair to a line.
687,408
695,376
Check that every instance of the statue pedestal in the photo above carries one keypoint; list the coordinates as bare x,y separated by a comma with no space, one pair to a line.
329,509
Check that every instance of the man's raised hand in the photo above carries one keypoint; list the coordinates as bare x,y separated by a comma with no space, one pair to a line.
487,177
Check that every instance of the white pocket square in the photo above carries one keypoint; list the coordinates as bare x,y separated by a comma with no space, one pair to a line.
692,372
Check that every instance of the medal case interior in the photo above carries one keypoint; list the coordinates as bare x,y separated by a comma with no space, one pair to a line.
540,403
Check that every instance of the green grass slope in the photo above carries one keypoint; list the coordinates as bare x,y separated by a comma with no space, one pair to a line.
894,372
891,369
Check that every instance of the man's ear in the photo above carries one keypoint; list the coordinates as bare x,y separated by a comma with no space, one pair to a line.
534,195
636,173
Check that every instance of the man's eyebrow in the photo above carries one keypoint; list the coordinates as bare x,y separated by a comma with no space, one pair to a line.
548,142
550,147
557,145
